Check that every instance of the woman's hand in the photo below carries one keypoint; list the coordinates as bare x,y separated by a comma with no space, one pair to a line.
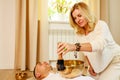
92,72
63,48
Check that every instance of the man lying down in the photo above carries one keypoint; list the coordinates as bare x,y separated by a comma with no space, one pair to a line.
43,71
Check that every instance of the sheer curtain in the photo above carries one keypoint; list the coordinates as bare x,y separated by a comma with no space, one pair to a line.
26,34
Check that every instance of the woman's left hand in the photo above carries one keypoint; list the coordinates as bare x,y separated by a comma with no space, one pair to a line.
63,48
92,72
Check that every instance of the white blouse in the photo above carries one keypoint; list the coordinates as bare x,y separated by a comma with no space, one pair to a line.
104,48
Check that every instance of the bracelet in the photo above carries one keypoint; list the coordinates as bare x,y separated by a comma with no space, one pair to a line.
77,46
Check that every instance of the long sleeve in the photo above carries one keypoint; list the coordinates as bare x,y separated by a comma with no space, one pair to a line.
104,37
103,46
98,42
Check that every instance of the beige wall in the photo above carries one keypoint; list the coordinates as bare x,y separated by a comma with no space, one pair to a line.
104,10
7,34
110,13
115,19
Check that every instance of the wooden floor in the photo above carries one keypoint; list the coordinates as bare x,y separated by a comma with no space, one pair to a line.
10,74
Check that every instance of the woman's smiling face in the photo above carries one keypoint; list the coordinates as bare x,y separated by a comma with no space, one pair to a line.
79,18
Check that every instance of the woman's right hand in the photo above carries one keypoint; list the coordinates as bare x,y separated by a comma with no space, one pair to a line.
63,48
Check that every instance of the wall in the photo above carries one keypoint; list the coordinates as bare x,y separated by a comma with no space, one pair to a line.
110,13
114,17
104,10
7,34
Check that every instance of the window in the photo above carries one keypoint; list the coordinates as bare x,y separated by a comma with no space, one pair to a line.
58,10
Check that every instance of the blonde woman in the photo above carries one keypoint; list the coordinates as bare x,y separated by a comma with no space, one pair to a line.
95,41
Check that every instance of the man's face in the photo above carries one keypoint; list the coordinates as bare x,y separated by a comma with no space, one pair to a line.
42,69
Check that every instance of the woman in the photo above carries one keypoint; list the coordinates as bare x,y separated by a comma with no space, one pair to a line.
95,41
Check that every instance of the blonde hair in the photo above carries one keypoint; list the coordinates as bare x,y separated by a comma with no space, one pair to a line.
86,13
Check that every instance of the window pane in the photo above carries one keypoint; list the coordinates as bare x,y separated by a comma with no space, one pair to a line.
58,10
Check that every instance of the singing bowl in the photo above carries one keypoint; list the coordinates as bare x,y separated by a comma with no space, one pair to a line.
21,75
73,63
73,68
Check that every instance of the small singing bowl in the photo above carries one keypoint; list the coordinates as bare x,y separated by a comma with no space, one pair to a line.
21,76
73,63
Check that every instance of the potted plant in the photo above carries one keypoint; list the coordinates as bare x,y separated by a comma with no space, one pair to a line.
61,7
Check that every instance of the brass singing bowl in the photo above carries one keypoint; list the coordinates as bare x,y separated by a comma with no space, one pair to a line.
73,63
73,68
21,75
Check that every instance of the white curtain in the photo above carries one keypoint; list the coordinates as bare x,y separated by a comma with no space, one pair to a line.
26,34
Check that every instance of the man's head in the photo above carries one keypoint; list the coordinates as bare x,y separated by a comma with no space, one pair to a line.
41,70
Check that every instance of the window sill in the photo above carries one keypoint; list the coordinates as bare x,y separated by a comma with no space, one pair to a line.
59,22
